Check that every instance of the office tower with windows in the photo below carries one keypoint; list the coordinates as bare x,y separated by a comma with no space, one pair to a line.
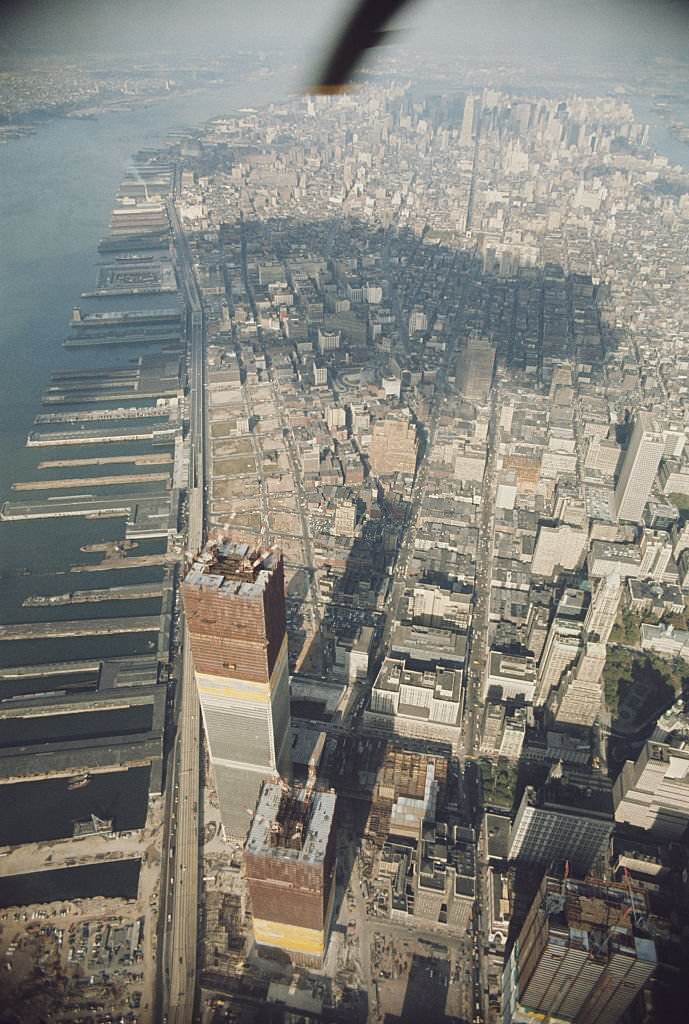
653,792
639,467
234,603
561,650
569,817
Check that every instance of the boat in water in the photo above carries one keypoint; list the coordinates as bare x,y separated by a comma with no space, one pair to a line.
79,781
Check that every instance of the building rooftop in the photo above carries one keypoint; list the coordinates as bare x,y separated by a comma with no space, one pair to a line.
512,666
427,644
291,822
232,569
573,791
599,917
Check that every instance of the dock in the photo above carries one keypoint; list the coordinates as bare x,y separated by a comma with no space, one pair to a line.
89,415
90,481
156,459
126,317
133,592
130,562
81,627
58,438
97,341
147,516
80,505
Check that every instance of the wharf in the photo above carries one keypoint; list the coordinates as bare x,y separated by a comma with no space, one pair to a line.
106,293
80,396
47,669
59,438
79,505
88,415
135,591
93,674
134,278
130,562
81,627
98,341
149,516
156,459
86,321
90,481
124,243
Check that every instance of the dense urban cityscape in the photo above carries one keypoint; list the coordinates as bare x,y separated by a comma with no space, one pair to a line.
348,678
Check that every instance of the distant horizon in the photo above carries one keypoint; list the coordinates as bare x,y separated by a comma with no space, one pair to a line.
586,30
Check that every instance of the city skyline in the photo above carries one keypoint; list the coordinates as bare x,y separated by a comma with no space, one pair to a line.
364,474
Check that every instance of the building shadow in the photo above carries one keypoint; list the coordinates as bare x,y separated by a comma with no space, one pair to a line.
426,993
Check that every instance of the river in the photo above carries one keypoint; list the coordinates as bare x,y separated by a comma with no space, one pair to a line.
58,191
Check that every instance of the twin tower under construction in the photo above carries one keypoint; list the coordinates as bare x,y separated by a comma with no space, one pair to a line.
234,603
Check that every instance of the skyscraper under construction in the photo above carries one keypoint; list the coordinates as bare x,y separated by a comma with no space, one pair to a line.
582,955
290,858
234,602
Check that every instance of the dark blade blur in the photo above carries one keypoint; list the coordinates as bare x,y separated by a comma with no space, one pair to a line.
364,30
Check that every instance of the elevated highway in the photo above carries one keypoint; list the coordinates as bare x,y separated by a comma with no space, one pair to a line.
180,869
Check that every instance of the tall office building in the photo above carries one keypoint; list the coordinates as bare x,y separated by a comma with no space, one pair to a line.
583,954
639,467
656,552
560,652
653,792
578,700
234,602
471,105
568,818
290,857
602,612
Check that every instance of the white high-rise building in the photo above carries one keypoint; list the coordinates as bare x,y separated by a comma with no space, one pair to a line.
467,133
639,467
580,696
560,652
653,792
602,612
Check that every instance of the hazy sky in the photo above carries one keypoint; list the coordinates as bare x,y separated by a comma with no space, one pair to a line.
597,28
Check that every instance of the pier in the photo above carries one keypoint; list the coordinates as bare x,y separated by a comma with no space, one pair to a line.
147,338
157,459
89,415
82,627
133,592
80,505
90,481
130,562
58,438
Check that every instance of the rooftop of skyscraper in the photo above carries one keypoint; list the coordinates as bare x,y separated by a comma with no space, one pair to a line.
231,568
599,916
292,822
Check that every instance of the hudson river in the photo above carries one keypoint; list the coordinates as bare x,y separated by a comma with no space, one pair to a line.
58,191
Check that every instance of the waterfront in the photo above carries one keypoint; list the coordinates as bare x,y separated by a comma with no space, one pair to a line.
115,878
47,809
59,187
